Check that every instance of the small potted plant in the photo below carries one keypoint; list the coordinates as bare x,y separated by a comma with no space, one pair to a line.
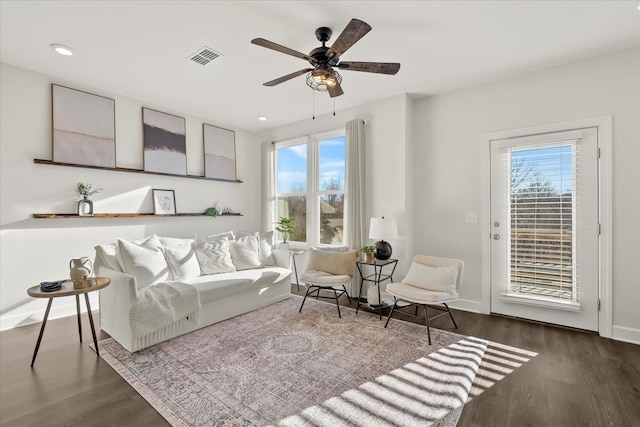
367,253
285,226
85,206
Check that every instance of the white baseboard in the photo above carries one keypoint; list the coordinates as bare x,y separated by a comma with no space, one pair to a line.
467,305
622,333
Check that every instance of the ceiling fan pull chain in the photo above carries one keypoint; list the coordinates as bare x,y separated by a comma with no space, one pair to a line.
334,107
314,105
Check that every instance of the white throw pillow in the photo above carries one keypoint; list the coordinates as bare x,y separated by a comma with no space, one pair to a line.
265,245
226,235
214,256
149,241
440,279
144,261
183,261
244,253
174,242
108,256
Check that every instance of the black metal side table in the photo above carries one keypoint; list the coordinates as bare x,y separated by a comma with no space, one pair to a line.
377,277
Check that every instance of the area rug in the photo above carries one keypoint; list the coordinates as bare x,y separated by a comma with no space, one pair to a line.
275,366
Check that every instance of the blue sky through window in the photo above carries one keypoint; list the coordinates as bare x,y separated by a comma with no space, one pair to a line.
292,165
552,165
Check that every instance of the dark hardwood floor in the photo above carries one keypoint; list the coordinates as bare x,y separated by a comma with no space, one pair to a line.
576,379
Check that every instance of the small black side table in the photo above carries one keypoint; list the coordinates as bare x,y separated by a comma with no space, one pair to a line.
377,277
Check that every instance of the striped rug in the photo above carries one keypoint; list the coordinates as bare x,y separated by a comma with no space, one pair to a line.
275,366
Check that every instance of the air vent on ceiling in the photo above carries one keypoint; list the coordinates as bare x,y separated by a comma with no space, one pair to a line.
204,55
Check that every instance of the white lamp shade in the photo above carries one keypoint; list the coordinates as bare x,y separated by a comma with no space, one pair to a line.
383,228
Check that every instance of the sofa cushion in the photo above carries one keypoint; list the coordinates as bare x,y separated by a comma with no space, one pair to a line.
217,286
214,256
332,262
144,261
440,279
244,253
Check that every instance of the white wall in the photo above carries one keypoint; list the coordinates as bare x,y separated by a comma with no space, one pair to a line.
388,145
35,250
447,162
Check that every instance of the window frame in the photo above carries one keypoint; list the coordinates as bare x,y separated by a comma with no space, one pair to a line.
313,192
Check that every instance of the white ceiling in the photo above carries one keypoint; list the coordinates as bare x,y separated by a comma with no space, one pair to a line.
139,48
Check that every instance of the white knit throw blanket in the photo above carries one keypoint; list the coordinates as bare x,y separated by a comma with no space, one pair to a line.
163,307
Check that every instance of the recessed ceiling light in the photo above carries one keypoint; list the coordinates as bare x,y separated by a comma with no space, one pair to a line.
262,118
61,49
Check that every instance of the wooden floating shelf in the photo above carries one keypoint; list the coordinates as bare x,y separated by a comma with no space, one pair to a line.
125,215
51,162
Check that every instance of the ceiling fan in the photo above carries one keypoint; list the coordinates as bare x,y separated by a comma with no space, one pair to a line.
323,76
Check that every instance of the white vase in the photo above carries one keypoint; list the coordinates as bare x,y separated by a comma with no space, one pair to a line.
372,295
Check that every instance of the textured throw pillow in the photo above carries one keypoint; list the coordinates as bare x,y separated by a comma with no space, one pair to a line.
244,253
440,279
214,256
144,261
332,261
108,256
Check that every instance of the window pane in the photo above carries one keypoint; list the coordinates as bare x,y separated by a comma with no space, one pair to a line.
332,160
294,207
292,169
331,218
541,210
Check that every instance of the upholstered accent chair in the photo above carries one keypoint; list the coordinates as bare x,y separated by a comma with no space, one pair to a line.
328,270
431,282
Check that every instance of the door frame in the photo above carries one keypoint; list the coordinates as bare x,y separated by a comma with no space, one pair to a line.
605,214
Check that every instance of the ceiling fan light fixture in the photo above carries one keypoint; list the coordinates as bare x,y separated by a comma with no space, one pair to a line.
321,79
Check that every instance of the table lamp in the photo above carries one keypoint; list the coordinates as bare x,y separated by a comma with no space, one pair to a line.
383,228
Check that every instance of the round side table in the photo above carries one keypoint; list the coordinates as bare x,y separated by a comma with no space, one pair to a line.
69,289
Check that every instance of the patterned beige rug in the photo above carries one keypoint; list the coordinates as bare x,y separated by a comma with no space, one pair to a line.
275,366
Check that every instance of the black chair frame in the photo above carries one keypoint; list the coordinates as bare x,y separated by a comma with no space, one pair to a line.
426,313
317,288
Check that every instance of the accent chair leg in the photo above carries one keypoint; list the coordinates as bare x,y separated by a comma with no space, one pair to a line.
426,316
393,308
305,297
346,293
335,293
451,315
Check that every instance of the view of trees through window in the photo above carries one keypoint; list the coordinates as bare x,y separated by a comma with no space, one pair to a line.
541,203
312,193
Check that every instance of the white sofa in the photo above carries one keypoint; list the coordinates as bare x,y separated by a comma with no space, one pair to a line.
222,296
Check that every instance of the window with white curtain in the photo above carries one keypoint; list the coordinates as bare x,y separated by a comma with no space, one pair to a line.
310,186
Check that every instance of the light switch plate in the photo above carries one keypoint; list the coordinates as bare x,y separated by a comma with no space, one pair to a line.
471,218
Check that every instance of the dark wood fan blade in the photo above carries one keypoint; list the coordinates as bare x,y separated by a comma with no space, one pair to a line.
335,90
370,67
356,29
279,48
287,77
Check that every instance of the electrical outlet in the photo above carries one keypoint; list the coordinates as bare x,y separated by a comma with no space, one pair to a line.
471,218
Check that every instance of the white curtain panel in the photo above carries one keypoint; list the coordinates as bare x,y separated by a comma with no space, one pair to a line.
268,185
355,208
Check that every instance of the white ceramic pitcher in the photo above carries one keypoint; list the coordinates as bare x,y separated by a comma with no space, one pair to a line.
80,268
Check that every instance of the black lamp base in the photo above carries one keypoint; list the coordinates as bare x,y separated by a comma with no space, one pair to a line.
383,250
